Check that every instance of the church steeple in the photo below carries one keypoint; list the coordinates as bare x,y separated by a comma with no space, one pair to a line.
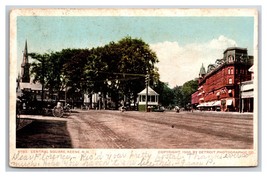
25,66
202,71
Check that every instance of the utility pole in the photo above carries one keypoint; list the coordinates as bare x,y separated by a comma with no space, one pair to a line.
147,84
66,95
240,83
42,96
240,90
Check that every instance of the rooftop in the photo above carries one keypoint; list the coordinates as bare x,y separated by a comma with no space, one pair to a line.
234,48
150,92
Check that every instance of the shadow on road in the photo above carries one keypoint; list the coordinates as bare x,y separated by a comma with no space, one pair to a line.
44,134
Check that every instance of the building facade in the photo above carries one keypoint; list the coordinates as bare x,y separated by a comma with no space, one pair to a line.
219,87
247,93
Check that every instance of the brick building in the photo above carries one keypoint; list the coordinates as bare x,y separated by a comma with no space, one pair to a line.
219,87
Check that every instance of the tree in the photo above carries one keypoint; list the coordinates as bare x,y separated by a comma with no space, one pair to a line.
178,96
118,68
166,94
73,72
188,89
135,58
40,70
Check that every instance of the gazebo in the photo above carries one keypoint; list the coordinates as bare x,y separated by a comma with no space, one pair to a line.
152,99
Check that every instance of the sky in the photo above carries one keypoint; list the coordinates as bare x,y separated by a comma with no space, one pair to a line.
181,44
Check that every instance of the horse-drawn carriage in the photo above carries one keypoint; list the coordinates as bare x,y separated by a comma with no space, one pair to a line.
45,109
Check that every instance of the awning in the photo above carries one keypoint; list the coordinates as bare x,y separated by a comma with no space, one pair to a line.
200,105
229,102
247,94
247,87
217,103
208,104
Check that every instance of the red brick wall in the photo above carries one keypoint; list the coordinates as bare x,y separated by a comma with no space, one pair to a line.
223,79
194,98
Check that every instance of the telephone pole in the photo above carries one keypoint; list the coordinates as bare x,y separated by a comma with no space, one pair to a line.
147,84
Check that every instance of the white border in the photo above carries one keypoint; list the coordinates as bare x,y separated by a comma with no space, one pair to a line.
259,171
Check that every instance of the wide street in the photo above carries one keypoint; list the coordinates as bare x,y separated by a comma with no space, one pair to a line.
132,129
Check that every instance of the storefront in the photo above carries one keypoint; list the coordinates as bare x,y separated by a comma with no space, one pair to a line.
247,97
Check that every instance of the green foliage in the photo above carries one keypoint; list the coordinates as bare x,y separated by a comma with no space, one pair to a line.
166,94
178,96
182,94
117,68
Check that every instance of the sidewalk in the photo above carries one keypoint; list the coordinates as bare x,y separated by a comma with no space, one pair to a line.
41,117
226,114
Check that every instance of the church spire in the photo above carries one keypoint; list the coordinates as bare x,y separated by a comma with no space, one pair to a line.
202,71
26,50
25,66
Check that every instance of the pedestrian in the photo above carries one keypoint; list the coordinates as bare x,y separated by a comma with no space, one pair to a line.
177,109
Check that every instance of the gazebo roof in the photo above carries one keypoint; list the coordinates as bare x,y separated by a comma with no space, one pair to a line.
150,92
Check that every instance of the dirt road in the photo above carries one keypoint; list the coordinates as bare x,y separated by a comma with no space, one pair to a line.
114,129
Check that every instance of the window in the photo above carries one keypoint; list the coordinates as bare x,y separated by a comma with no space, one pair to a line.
230,58
229,71
153,98
232,71
143,98
230,81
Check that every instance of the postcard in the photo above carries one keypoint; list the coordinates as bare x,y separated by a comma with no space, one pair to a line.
122,87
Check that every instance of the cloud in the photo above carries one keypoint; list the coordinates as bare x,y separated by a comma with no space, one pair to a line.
178,64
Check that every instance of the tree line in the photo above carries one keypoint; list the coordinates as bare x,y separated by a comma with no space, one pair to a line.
177,96
118,69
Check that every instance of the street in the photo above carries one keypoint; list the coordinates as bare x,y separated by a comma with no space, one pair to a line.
133,130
